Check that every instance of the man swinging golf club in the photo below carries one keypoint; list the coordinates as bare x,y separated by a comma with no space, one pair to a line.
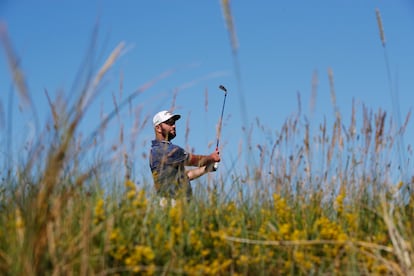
168,161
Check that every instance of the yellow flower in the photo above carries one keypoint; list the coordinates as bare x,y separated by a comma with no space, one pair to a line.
151,269
381,269
130,194
141,200
281,207
99,211
19,220
285,230
19,225
243,259
352,221
339,203
205,252
129,184
115,235
302,260
119,252
141,255
297,235
128,261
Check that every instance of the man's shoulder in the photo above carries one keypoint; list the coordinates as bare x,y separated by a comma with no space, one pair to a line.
165,149
162,145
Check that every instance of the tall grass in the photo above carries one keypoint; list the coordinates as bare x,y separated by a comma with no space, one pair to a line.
322,200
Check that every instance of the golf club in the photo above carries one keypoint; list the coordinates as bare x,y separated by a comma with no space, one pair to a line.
220,122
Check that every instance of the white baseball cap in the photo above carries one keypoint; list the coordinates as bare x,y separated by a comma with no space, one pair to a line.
163,116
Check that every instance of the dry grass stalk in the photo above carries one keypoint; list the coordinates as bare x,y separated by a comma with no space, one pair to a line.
225,5
2,116
91,92
404,126
55,115
174,100
116,109
367,128
52,251
314,94
380,28
86,239
401,248
136,127
394,268
352,127
379,129
187,130
14,66
363,244
333,94
53,169
206,100
332,145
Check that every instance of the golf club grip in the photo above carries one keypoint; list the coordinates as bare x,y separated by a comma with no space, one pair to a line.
215,167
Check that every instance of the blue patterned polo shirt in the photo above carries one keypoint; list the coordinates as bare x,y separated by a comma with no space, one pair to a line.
168,170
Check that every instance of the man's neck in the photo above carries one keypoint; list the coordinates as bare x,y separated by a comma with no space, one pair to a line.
162,139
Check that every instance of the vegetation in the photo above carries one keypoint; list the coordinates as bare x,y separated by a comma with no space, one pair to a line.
315,204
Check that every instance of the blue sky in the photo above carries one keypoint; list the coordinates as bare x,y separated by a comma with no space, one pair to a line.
281,46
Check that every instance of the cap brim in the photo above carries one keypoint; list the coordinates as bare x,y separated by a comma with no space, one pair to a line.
176,117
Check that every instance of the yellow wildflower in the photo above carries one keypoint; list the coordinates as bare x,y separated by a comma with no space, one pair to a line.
19,225
339,203
381,269
281,207
131,194
297,235
130,184
115,235
205,252
119,252
140,201
285,230
19,220
99,211
243,260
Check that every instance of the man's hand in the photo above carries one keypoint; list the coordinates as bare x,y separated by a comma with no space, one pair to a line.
210,161
203,160
212,167
215,156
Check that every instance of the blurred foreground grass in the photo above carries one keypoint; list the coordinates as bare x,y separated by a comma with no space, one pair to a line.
315,204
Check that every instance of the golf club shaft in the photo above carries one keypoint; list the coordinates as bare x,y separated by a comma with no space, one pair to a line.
220,122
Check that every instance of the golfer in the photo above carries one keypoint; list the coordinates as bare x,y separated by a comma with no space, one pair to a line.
168,161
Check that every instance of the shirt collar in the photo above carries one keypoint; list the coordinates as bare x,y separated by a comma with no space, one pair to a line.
155,142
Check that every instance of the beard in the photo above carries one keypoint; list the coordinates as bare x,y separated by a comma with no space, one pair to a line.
169,134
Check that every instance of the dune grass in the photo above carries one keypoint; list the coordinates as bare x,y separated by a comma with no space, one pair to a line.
318,202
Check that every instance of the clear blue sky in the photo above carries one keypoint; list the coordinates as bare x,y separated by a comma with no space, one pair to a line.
281,44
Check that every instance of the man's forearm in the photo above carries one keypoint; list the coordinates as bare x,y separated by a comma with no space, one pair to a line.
196,173
200,160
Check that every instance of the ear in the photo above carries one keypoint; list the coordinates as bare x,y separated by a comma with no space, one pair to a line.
158,129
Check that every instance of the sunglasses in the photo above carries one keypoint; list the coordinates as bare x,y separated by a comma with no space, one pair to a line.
170,122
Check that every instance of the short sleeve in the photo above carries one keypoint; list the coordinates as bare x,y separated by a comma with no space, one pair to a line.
176,155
